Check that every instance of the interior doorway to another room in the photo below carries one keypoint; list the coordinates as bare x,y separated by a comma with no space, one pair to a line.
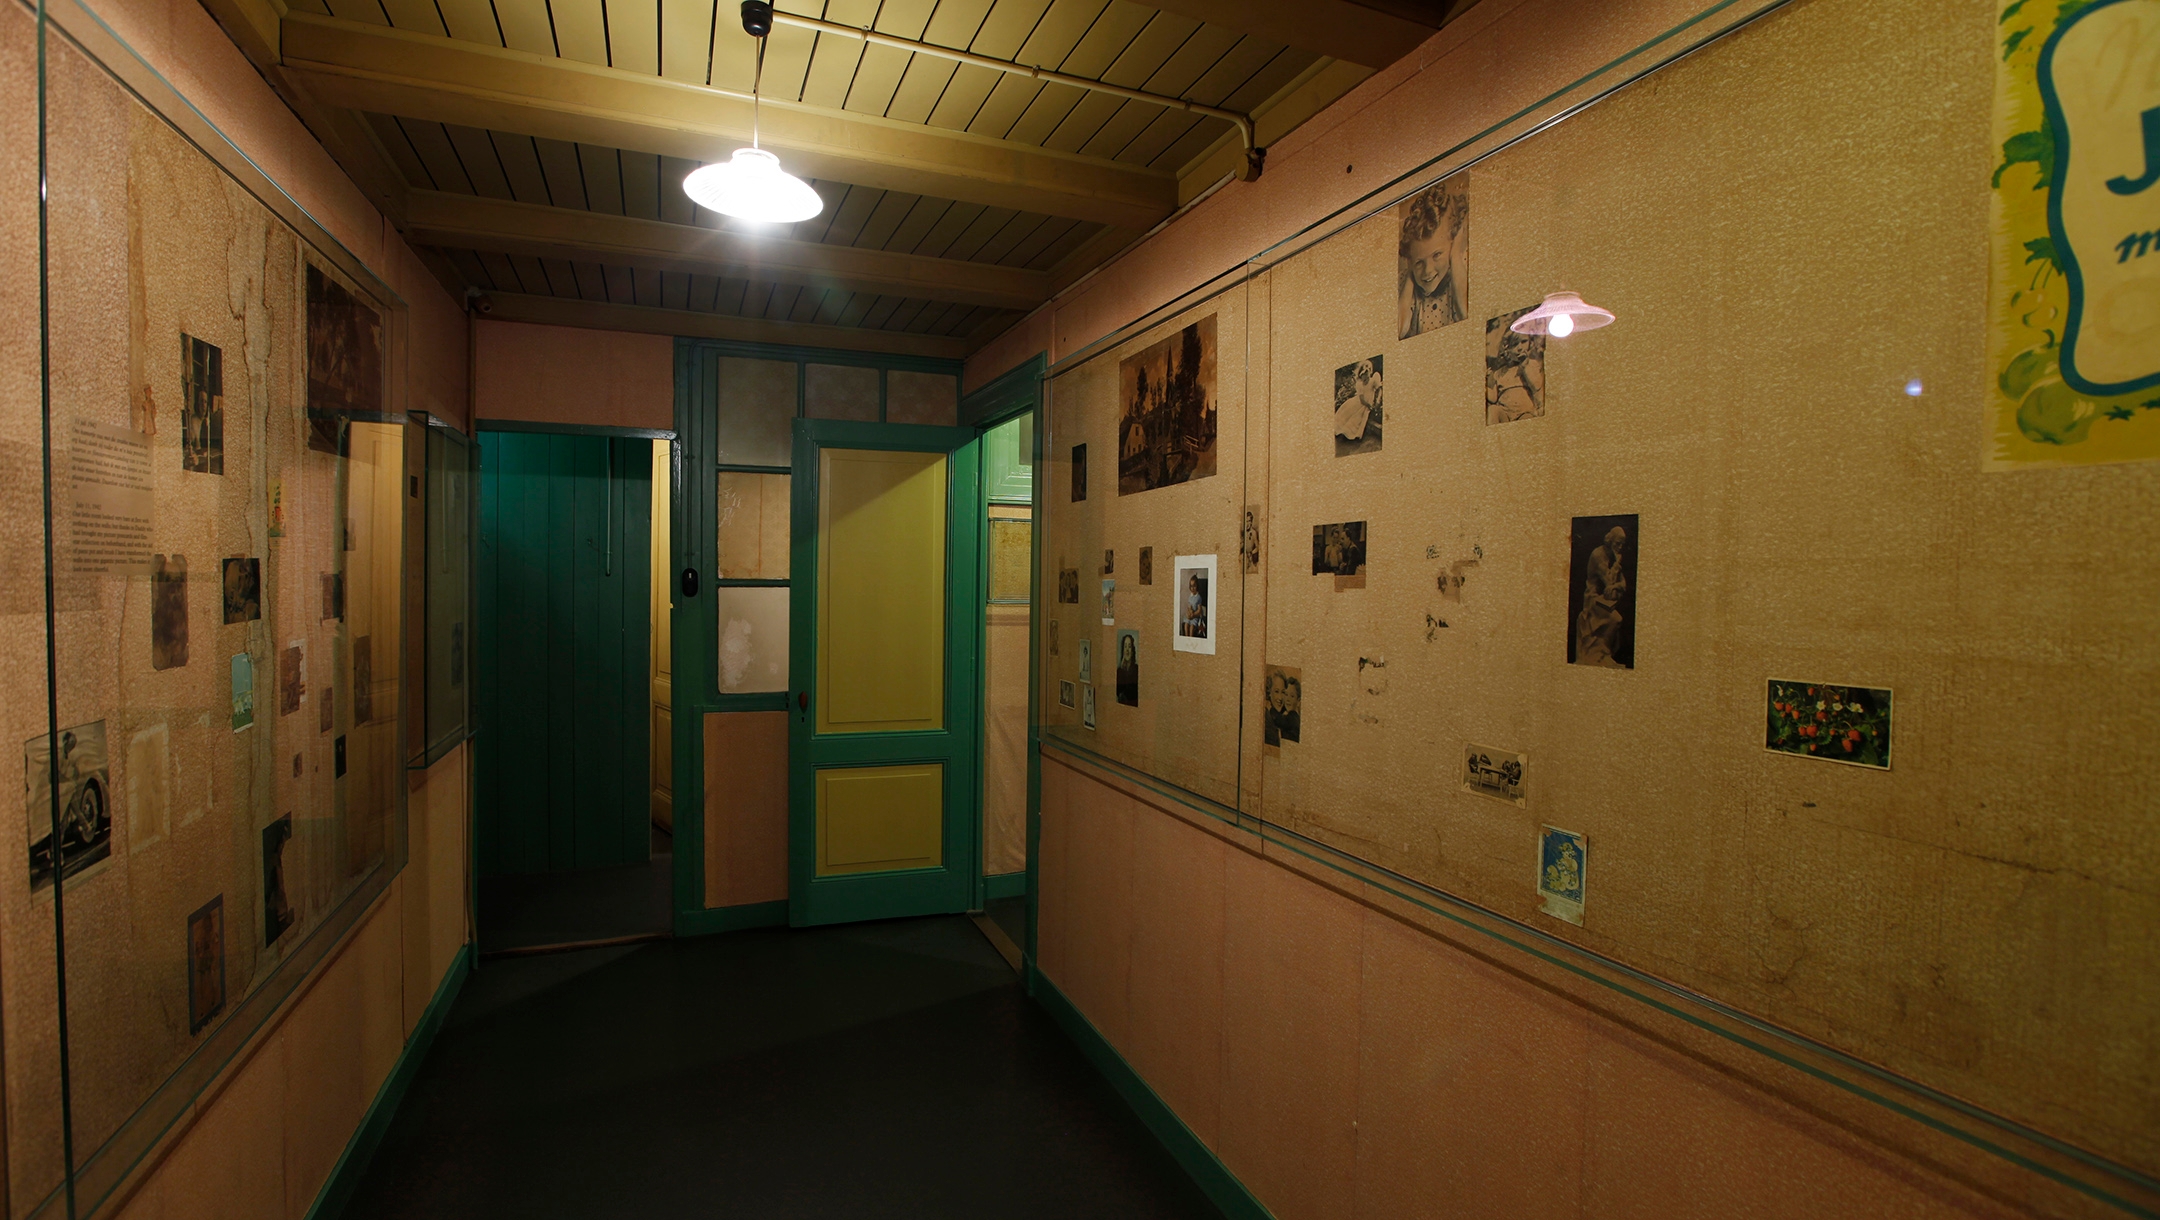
565,843
1008,620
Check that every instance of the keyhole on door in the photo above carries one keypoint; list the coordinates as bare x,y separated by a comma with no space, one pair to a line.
802,700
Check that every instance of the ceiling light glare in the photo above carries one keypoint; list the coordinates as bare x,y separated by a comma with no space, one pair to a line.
1561,315
751,186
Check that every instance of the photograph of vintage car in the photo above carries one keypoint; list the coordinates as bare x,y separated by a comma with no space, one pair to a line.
85,821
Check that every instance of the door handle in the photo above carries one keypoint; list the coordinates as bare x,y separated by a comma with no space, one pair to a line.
689,582
802,700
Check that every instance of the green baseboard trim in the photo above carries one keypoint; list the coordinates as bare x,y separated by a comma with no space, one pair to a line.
731,919
1206,1169
1005,885
352,1165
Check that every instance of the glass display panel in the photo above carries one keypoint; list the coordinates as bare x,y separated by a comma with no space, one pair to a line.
753,529
228,525
757,412
840,391
753,640
450,511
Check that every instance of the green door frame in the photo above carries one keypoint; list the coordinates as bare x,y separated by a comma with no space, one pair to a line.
693,545
1016,392
951,886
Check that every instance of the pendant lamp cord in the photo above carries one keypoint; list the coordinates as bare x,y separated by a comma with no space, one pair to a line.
757,82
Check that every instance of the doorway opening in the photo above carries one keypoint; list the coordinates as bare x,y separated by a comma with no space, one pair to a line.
1008,621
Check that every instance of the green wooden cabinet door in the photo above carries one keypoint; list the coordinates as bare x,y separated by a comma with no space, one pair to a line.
565,583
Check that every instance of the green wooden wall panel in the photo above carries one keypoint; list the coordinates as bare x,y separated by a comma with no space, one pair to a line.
565,576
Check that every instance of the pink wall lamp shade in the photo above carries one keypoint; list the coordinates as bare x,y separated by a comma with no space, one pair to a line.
1562,314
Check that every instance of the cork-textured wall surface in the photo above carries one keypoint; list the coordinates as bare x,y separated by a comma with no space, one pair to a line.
277,819
1792,229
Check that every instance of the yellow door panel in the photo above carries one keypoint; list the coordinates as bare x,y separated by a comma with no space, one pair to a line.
880,819
881,591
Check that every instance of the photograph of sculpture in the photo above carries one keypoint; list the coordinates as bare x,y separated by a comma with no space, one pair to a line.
344,360
206,963
1109,602
1493,773
1563,869
243,691
1167,411
1087,706
1281,723
1069,586
292,677
1066,698
277,907
1339,550
1079,473
1192,609
168,611
1601,591
1432,264
243,590
1147,565
1128,667
202,407
1357,407
1514,371
1846,724
85,808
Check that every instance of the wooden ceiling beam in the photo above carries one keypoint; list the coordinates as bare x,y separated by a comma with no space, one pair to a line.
423,76
468,222
690,323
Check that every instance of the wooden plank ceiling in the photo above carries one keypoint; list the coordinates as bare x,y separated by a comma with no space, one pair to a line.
538,147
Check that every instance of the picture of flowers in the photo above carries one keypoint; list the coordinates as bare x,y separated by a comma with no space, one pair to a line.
1847,724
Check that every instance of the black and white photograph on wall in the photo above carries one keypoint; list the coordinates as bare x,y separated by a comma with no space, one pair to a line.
1432,264
1358,407
1109,563
1338,550
1249,539
202,407
1079,473
1128,667
1087,705
1069,586
1193,606
333,595
1147,565
1066,697
1283,694
345,361
1514,371
85,816
277,907
168,611
1109,602
1087,659
363,679
1167,411
1601,591
243,590
1494,773
206,963
292,677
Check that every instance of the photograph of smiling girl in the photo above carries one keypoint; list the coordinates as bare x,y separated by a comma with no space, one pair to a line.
1432,266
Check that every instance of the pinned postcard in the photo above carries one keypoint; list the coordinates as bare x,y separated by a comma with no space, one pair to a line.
1563,862
1493,773
1192,606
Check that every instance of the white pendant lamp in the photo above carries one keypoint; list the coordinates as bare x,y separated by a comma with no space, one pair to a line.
1561,315
751,185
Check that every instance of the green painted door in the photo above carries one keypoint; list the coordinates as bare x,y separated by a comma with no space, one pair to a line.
882,728
565,587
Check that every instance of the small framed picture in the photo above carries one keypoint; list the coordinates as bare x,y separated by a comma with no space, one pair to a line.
1066,698
1192,604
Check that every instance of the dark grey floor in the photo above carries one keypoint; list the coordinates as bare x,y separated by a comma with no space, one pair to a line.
870,1070
533,909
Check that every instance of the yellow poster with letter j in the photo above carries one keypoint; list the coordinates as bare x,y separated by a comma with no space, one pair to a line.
2074,301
